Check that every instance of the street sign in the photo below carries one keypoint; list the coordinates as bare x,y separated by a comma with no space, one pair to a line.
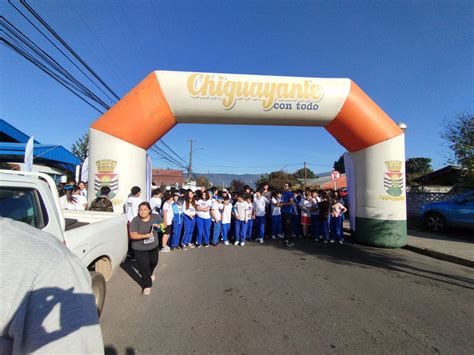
335,175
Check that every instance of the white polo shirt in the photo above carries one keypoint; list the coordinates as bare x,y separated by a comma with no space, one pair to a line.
260,205
227,214
202,204
131,207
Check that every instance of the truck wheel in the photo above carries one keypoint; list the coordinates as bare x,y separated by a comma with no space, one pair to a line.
98,288
435,222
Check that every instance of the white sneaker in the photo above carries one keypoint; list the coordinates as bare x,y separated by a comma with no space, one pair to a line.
331,241
341,242
274,237
165,250
153,278
236,242
242,244
226,243
280,236
260,240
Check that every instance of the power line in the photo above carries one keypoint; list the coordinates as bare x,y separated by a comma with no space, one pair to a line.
24,54
59,49
63,42
17,35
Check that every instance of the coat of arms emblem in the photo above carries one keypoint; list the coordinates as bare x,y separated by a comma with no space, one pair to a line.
106,177
393,178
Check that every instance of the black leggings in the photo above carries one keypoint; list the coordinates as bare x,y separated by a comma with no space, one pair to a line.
286,221
147,261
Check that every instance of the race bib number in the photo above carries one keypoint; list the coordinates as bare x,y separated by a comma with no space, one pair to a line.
149,240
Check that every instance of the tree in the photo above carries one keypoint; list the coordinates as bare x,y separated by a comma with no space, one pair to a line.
459,135
300,173
203,181
416,167
80,148
339,165
237,185
276,179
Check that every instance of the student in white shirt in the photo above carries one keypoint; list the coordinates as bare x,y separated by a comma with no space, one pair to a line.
305,205
167,219
155,201
315,222
189,210
259,210
276,216
72,200
83,191
132,203
241,216
216,214
203,220
226,219
250,217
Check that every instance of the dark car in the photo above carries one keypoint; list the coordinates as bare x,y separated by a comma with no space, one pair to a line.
457,212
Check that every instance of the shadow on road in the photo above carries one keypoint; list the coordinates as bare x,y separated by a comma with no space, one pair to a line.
111,350
131,268
366,257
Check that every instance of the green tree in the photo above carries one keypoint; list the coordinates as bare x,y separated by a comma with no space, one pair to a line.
80,148
203,181
237,185
276,179
339,165
309,173
416,167
459,135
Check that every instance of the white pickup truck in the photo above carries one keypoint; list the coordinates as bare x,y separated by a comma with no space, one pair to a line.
99,239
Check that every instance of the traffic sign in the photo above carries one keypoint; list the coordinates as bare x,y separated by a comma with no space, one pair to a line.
335,175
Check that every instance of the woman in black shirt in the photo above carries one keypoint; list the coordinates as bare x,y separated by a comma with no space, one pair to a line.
144,235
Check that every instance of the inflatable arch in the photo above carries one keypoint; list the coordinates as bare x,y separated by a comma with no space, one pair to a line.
120,138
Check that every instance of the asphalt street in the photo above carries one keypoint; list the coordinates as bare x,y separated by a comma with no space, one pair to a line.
313,298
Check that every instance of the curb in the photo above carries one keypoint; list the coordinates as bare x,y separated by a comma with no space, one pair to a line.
440,256
434,254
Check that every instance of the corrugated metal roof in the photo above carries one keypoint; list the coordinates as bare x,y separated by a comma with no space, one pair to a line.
45,153
14,132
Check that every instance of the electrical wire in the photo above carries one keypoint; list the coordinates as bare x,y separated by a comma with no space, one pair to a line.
63,42
60,50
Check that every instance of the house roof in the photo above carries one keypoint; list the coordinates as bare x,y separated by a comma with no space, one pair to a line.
13,144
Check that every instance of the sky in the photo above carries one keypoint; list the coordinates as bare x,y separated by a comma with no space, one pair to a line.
415,59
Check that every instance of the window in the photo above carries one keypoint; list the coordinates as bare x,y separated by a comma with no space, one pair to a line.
24,205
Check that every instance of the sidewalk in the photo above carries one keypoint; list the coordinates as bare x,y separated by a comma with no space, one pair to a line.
438,246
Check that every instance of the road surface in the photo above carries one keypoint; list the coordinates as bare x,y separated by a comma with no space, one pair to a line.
313,298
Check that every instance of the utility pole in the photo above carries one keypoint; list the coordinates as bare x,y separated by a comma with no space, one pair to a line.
190,166
305,175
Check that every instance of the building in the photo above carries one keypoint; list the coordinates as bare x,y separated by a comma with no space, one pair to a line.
51,159
325,182
167,177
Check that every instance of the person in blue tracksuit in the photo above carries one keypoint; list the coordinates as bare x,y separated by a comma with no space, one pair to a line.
276,216
315,221
250,217
226,219
240,217
189,210
337,212
177,208
325,215
216,216
203,220
259,214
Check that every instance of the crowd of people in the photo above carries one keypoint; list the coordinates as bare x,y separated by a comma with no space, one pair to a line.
185,219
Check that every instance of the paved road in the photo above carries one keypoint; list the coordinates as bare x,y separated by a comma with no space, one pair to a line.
313,298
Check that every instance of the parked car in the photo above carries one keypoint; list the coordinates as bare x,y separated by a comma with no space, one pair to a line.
99,239
457,212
